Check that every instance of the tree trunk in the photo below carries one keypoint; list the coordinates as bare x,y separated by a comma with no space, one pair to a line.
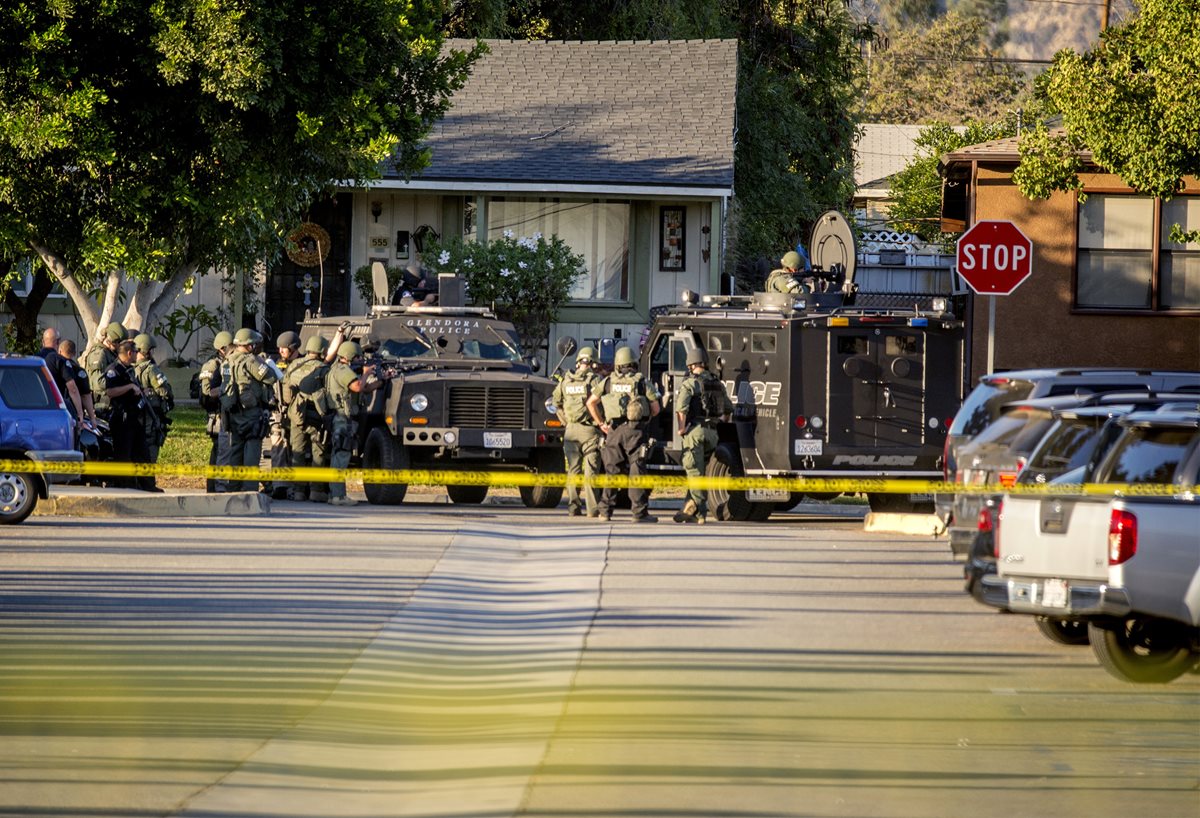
24,337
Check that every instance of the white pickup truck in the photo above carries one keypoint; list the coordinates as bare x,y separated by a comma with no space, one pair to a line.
1127,566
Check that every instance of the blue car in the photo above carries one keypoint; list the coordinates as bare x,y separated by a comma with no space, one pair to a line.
34,425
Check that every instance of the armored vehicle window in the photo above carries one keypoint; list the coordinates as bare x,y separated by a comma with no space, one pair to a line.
762,342
678,356
482,348
404,348
852,345
900,345
720,341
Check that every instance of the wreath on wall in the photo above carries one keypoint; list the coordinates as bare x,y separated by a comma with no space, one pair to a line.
308,245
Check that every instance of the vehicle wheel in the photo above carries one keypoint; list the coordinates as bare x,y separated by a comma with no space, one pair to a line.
467,495
1147,651
761,512
1063,631
794,499
547,461
18,497
382,451
822,496
723,504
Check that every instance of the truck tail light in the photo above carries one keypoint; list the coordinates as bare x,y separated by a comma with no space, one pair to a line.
1122,536
801,421
1008,478
985,525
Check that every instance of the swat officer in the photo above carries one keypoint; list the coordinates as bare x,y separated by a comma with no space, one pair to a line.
247,380
99,360
126,406
158,396
344,387
581,442
305,397
624,428
784,280
701,404
288,344
210,401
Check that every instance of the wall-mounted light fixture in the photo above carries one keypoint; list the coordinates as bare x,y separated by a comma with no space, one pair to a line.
377,210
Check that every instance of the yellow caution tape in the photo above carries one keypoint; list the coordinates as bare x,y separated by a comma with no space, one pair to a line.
460,477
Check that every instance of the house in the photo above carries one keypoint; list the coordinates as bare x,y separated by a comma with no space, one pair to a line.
622,149
1108,287
890,260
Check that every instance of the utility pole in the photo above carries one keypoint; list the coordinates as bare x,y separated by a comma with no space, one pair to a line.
1104,15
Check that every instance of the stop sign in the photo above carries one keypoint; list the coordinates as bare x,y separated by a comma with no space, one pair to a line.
994,257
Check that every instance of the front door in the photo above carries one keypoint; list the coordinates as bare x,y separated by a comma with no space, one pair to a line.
296,288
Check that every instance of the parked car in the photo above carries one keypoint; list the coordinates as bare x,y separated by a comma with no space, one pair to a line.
1128,566
34,425
982,406
1079,436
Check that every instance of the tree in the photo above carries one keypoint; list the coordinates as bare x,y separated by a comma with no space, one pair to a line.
944,72
1132,101
917,189
149,141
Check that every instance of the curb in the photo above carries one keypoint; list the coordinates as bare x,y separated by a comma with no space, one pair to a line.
923,525
131,503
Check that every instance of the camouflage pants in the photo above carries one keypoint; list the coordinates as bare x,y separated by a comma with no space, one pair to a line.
281,453
308,448
341,446
581,450
698,445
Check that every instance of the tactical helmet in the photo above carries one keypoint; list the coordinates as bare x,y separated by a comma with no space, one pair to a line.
288,339
585,354
349,350
791,260
623,357
115,332
316,344
144,343
222,339
246,336
696,356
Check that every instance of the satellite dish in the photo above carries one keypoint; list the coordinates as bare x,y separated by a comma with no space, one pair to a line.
833,244
379,283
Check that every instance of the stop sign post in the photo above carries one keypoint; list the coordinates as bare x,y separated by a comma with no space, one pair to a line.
994,257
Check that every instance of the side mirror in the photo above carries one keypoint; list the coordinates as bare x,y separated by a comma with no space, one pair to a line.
567,346
535,364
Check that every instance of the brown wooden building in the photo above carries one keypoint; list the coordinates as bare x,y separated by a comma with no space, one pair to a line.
1108,286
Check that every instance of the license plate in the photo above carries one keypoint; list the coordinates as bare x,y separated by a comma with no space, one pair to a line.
1054,593
497,440
808,447
766,495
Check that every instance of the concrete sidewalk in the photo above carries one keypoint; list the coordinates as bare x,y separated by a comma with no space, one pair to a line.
92,501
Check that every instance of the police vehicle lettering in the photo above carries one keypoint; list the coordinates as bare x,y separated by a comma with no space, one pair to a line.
759,393
875,460
447,326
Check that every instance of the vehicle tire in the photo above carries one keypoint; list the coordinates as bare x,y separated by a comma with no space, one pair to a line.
467,495
547,461
1063,631
822,496
723,504
382,451
1145,651
794,499
18,497
761,512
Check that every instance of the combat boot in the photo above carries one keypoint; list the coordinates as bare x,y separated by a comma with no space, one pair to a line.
687,514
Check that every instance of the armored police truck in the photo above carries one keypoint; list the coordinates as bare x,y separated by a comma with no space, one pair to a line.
821,387
461,396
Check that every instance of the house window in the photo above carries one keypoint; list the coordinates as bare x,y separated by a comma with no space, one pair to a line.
597,229
1125,259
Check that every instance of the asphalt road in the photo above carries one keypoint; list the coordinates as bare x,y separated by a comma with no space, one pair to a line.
431,661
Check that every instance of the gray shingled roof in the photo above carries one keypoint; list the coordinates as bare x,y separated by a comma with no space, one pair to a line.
629,113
